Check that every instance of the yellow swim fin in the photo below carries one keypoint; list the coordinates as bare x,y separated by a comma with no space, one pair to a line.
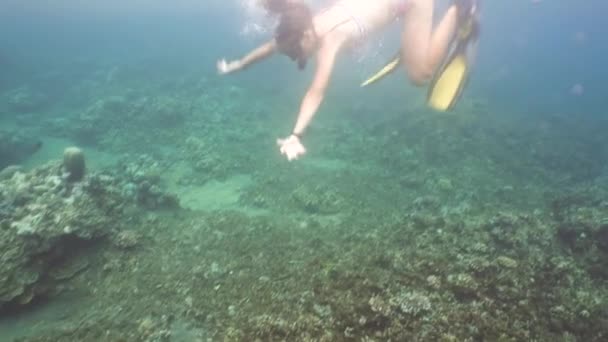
385,71
448,84
451,78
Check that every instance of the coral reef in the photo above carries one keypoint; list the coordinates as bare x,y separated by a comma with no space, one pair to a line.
480,226
46,224
74,164
143,183
51,227
22,100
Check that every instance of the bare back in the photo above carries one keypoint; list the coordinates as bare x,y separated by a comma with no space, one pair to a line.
356,18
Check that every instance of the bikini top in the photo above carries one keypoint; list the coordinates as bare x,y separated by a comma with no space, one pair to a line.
400,7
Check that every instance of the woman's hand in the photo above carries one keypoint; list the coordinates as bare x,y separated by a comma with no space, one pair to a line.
291,147
224,67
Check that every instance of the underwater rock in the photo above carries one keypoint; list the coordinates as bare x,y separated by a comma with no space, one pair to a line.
126,239
48,227
167,111
24,100
125,121
152,197
602,238
69,269
379,305
144,184
506,262
317,200
15,148
74,164
405,303
463,286
9,171
411,303
97,120
582,229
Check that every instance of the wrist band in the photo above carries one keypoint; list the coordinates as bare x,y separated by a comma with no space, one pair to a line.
299,136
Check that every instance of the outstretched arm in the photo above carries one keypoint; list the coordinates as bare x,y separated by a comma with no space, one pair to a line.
316,92
291,146
260,53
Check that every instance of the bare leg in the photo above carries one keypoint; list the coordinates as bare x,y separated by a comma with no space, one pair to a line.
423,49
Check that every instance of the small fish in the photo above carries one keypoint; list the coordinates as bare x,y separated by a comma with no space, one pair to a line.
577,90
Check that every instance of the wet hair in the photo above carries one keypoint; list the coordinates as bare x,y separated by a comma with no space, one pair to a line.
276,6
295,20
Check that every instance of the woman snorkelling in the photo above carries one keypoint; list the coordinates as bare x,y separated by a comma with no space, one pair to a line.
301,35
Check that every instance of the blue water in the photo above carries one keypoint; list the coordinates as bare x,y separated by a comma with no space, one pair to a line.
529,55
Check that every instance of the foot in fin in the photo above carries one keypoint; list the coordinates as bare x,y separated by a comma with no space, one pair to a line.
449,82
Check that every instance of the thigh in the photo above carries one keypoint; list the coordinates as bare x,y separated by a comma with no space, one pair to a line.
415,40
